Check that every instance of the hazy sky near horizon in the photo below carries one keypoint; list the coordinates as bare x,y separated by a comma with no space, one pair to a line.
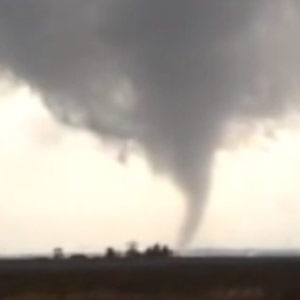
62,186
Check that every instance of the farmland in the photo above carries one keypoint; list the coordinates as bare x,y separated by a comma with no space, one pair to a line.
140,278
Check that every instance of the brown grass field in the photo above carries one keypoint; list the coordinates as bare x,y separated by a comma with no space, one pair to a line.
170,278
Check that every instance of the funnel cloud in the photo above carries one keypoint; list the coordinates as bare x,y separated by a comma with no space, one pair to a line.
167,74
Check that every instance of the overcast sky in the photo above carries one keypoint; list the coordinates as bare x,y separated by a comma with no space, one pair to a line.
62,186
170,121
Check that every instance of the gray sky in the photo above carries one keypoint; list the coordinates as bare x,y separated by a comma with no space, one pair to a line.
168,78
64,187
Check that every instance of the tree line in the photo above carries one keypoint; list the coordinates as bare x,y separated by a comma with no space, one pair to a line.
132,252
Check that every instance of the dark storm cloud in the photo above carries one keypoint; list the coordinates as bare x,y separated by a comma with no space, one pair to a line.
189,66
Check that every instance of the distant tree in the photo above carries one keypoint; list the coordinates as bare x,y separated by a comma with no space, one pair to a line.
158,251
110,253
58,253
166,251
132,250
153,251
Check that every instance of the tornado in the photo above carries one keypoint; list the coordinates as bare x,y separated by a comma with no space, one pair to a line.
168,75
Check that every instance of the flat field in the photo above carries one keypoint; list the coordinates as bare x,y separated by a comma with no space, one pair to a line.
168,278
